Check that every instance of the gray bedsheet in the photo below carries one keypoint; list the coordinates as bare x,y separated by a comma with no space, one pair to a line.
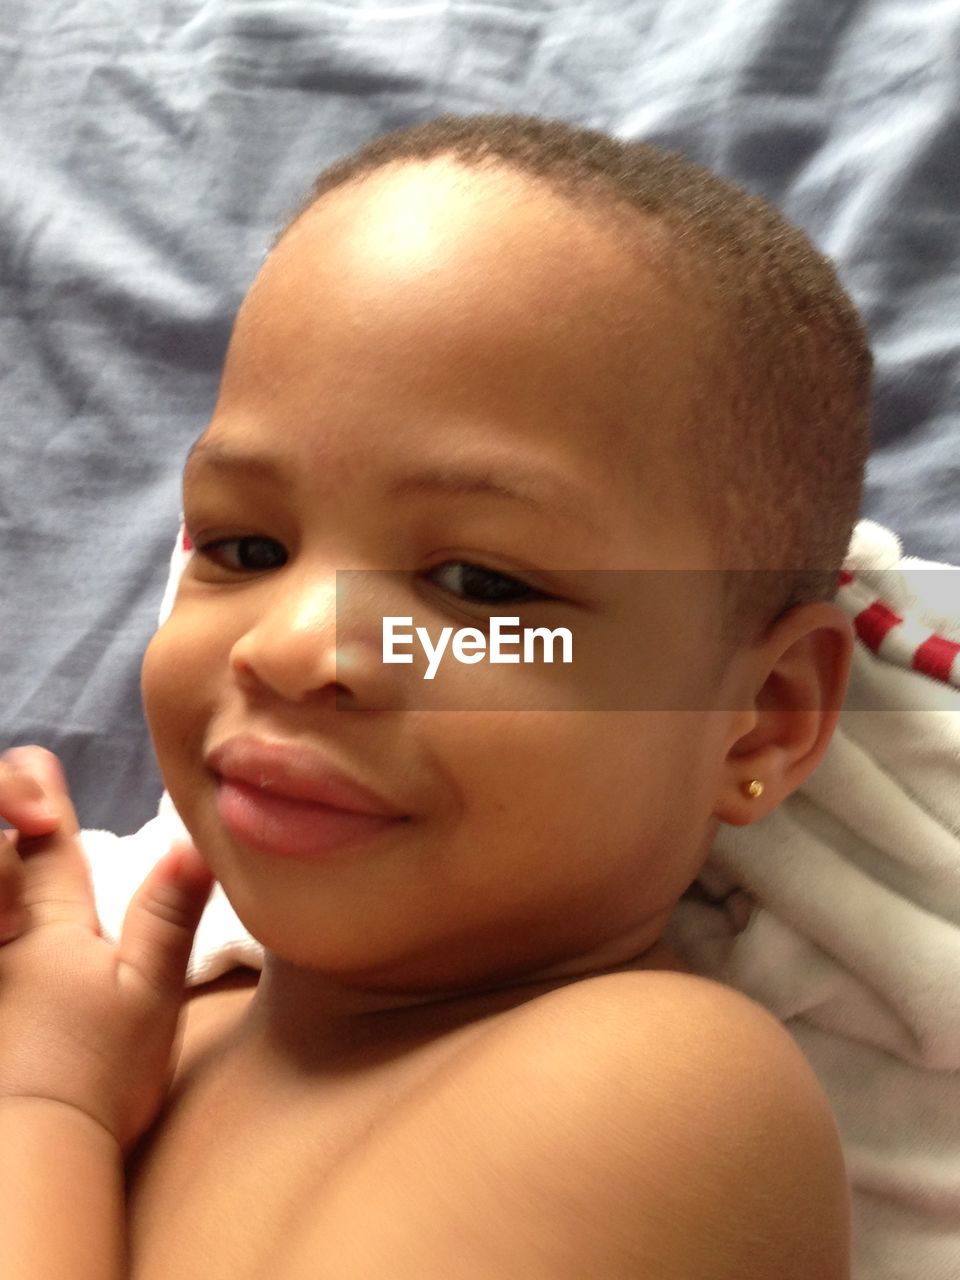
148,151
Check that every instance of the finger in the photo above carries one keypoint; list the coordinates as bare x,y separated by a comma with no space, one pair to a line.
57,884
41,771
23,802
11,884
158,931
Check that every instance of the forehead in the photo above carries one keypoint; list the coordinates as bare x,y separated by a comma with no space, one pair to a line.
488,241
463,307
487,257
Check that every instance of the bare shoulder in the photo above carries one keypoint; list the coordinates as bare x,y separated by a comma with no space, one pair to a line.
637,1123
732,1164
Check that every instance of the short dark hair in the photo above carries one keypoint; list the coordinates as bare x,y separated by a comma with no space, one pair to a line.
778,440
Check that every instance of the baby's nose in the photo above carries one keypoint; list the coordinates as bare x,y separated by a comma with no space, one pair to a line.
307,639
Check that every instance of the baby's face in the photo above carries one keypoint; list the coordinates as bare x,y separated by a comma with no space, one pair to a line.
428,319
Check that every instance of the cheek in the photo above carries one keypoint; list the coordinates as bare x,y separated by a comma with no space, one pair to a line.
177,681
625,793
590,772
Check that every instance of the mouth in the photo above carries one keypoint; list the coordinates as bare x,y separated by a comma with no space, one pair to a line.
297,772
285,827
289,800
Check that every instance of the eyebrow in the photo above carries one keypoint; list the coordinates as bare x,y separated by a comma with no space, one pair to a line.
538,490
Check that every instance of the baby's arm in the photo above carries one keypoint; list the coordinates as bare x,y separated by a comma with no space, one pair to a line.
87,1172
86,1030
62,1212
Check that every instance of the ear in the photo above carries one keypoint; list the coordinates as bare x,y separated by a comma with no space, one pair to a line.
799,676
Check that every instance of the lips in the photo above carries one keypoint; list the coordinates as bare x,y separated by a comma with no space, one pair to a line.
296,772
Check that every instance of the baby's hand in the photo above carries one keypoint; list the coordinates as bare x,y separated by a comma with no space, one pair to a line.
83,1022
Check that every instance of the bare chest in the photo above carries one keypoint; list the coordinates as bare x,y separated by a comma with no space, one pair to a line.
236,1167
231,1172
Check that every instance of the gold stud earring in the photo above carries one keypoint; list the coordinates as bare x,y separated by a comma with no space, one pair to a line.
753,788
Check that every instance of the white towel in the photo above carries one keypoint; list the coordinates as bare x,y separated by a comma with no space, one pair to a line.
119,865
839,911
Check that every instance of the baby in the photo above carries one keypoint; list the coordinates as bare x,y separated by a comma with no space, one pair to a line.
500,357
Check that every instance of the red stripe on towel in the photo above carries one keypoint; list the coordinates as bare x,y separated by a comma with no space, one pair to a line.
874,622
935,657
185,542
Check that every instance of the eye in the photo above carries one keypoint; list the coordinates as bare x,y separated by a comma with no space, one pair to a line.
484,586
250,554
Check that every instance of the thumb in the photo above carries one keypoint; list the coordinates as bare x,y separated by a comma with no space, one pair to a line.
158,930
